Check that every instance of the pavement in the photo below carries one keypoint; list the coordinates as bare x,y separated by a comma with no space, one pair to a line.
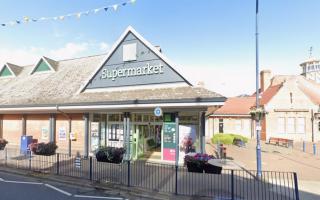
38,186
275,158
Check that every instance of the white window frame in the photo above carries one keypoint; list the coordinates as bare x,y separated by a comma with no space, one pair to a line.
129,52
291,127
301,127
282,125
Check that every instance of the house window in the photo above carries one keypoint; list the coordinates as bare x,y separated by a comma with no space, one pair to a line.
220,125
301,126
291,125
130,52
319,126
238,125
281,125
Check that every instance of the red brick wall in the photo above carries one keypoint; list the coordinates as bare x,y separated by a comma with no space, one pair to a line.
12,129
77,126
35,123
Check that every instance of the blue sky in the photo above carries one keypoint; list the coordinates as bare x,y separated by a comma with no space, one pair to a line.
209,40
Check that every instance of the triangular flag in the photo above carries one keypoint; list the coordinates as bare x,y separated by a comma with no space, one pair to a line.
18,22
86,13
132,1
106,9
34,20
125,3
79,15
115,7
26,19
61,17
12,23
55,18
3,24
96,10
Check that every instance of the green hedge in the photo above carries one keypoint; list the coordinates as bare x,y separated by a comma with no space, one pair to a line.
224,138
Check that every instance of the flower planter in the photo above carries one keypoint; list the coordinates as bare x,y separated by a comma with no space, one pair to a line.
212,169
3,144
194,167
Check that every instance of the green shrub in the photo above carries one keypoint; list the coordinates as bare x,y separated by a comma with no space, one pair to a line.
224,138
151,142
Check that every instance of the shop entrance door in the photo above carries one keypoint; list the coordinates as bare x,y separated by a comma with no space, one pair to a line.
140,131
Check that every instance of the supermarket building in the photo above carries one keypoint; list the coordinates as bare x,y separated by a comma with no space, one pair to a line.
105,100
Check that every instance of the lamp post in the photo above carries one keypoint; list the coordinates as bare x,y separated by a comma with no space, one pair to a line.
258,126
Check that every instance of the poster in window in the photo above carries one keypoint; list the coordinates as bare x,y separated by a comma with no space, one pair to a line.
44,133
62,134
187,139
94,129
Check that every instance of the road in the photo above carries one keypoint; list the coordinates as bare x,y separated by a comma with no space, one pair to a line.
16,187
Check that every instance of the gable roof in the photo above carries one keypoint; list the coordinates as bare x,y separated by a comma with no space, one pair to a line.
118,43
310,88
236,106
14,69
49,62
269,93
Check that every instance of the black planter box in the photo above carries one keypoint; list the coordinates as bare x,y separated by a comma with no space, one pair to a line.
212,169
194,167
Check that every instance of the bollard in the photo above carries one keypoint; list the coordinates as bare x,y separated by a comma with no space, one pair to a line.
314,149
304,146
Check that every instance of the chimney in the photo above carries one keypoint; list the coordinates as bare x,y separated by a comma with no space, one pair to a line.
265,79
158,48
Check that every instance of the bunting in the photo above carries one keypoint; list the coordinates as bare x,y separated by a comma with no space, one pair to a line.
77,15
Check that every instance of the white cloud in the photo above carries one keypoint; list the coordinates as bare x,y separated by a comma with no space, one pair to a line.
70,50
104,46
224,80
19,56
30,55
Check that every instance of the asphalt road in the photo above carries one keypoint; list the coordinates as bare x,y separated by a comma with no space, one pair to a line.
16,187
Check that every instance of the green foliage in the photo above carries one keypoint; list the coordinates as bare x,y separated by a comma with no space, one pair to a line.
224,138
45,149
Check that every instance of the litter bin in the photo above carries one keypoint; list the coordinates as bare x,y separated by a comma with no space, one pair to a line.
24,143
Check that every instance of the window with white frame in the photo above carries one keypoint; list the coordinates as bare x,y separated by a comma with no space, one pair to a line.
291,125
301,125
130,52
281,125
238,125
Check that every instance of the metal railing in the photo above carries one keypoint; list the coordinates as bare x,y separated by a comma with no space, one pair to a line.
230,184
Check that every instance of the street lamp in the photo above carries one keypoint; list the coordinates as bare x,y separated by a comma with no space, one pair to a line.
258,126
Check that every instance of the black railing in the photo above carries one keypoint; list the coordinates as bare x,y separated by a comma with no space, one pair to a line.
230,184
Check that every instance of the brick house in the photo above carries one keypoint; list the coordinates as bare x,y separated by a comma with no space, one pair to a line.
292,106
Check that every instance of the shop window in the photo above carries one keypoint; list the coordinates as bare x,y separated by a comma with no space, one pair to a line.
114,132
114,117
281,125
301,126
291,125
130,52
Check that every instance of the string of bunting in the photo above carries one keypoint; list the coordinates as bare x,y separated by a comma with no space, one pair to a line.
78,15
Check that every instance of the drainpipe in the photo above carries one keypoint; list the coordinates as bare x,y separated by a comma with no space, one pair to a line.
69,120
312,128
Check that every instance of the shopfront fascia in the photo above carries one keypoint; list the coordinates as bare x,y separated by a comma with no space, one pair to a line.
133,127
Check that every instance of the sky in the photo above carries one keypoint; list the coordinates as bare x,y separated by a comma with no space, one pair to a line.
212,41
